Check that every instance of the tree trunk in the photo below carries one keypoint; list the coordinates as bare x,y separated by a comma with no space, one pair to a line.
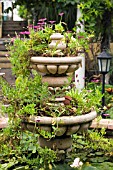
106,33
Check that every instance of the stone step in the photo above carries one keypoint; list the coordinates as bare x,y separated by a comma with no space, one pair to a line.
13,27
3,42
4,60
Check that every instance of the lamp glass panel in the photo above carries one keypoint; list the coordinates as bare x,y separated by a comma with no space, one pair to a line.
99,65
104,64
108,65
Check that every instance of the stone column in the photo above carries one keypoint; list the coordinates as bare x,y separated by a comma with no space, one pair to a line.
0,19
79,14
80,73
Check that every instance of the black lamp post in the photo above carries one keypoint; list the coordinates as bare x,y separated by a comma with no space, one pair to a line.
104,60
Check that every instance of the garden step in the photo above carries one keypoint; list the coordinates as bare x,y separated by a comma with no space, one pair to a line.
13,27
5,65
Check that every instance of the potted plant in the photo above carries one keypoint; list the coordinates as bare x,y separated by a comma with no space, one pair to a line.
38,100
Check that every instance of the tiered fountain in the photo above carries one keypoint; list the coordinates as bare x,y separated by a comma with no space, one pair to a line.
56,72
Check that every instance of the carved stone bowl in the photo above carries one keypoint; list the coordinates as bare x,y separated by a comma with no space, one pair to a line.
66,126
55,65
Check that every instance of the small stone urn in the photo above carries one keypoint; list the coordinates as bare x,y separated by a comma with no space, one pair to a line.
57,42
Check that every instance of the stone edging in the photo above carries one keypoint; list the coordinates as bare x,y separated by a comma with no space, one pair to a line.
103,123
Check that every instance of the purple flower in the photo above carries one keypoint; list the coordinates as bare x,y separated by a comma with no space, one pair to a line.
36,26
95,80
27,32
61,14
42,19
22,32
41,23
30,26
52,22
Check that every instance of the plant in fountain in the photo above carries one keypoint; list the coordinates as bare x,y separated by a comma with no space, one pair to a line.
39,101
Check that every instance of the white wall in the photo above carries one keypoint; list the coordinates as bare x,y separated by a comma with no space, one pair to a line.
15,11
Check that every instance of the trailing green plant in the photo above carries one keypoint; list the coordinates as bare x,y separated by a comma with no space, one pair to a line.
26,153
19,57
30,96
25,96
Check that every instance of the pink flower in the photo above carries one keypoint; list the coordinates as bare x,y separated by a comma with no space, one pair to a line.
36,26
27,32
42,19
22,32
52,22
95,80
12,39
61,14
7,55
41,23
30,26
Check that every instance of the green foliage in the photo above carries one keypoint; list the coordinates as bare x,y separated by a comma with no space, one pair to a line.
85,100
97,16
19,57
24,97
108,108
93,149
26,153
